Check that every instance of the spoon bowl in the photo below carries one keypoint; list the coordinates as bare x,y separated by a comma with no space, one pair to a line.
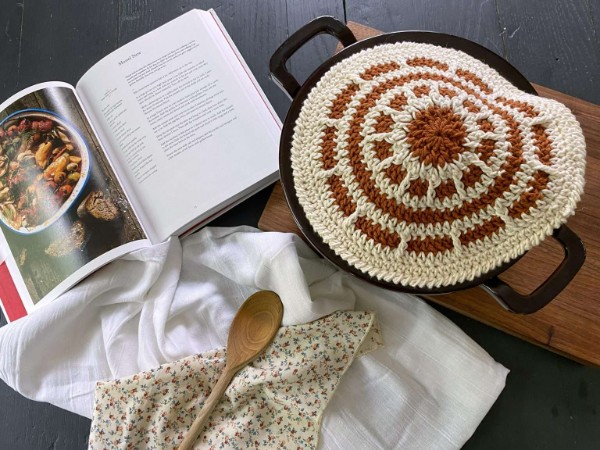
253,328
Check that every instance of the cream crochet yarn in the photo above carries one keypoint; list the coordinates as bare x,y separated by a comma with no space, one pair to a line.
422,166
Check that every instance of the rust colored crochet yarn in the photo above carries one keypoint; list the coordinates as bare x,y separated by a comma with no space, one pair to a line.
436,136
422,166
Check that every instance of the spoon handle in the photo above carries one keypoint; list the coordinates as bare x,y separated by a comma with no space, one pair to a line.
210,403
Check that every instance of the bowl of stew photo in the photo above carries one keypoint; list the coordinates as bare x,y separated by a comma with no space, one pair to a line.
44,166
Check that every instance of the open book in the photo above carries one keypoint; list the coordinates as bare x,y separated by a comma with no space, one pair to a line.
157,138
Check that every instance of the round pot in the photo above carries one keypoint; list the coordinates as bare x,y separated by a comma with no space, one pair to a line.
502,292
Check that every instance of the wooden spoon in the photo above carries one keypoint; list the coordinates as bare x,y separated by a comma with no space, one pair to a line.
253,328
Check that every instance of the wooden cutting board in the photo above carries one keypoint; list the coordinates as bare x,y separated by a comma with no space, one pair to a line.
570,324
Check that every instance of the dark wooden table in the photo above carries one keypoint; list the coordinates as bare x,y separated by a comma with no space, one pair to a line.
549,402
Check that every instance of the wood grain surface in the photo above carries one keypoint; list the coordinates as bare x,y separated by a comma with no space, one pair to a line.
570,325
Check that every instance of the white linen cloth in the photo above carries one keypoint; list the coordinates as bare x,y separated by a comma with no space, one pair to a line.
429,387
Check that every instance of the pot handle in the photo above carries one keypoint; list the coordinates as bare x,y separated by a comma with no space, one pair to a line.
560,278
324,24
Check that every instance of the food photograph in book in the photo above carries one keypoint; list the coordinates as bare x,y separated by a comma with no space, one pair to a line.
61,205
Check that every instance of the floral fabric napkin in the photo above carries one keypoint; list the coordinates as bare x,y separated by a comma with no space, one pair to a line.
275,402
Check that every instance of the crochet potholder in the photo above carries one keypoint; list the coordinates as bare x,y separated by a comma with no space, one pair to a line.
422,166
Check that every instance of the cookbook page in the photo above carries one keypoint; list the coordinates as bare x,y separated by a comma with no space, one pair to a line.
184,121
62,211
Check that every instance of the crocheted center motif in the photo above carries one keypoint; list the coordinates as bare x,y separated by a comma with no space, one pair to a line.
422,166
436,136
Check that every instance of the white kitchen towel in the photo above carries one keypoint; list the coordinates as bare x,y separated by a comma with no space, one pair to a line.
429,387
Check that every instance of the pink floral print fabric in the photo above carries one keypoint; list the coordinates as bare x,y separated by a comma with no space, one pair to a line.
275,402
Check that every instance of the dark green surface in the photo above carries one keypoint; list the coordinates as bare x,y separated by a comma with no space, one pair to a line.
549,402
